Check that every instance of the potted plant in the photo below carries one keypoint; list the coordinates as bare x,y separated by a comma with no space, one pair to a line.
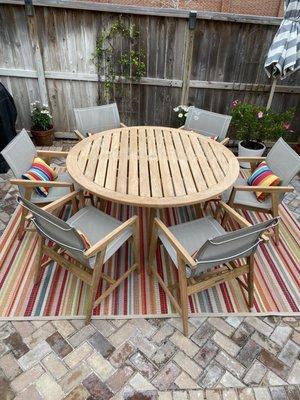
181,113
254,125
42,126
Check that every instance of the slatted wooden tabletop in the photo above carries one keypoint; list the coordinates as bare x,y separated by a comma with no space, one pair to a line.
151,166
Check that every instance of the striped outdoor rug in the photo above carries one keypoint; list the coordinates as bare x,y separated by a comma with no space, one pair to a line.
60,294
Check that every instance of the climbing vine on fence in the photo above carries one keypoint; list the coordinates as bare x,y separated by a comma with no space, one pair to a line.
111,62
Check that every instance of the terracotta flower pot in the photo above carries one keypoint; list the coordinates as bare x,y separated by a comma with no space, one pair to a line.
43,138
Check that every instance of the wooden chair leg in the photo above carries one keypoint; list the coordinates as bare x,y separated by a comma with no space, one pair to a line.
27,196
183,295
38,260
275,214
97,272
250,260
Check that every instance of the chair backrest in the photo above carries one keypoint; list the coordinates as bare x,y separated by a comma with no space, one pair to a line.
53,228
207,123
97,119
283,161
19,153
232,245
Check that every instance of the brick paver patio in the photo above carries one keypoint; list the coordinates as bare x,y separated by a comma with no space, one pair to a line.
143,359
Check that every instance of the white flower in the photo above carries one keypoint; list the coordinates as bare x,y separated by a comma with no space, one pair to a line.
180,115
186,114
185,108
45,112
176,109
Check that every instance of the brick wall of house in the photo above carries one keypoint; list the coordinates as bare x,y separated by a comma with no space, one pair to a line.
273,8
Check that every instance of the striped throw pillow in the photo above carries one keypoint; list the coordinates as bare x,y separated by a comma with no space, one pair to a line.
40,171
263,176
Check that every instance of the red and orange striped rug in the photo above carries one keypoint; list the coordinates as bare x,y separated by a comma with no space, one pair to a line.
60,294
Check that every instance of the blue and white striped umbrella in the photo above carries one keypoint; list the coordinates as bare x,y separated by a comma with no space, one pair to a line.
284,55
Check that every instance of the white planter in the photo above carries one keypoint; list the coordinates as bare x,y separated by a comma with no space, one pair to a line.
245,152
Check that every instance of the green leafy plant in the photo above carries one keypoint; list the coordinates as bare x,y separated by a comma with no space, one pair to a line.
109,60
257,124
40,117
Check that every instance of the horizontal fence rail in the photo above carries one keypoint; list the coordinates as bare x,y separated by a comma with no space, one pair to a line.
152,11
72,76
48,57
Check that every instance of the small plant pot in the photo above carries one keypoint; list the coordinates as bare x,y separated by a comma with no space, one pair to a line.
43,138
244,151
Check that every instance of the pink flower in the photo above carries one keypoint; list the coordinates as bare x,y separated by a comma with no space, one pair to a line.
234,103
260,115
287,126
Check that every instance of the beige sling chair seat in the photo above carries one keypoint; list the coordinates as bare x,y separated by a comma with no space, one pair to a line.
285,163
208,123
90,120
105,234
19,155
198,247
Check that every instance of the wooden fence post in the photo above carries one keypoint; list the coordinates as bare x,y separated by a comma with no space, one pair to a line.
188,56
37,55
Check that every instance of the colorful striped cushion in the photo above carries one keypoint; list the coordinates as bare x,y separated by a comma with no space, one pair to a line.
263,176
40,171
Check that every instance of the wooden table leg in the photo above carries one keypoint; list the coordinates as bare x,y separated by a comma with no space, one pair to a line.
199,210
151,216
102,204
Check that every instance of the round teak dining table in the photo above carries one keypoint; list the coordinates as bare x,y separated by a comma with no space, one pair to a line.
152,166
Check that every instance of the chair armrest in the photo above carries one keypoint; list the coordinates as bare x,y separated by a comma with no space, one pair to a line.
251,159
270,189
52,154
60,202
225,141
188,259
123,125
57,203
26,183
234,214
238,218
79,134
101,244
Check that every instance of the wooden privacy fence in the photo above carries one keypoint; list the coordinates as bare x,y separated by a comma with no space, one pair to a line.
48,57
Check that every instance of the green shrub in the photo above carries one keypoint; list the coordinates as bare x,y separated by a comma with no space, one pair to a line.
254,123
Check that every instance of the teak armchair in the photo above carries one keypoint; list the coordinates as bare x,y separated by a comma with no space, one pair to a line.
208,123
198,246
105,233
91,120
285,163
19,154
